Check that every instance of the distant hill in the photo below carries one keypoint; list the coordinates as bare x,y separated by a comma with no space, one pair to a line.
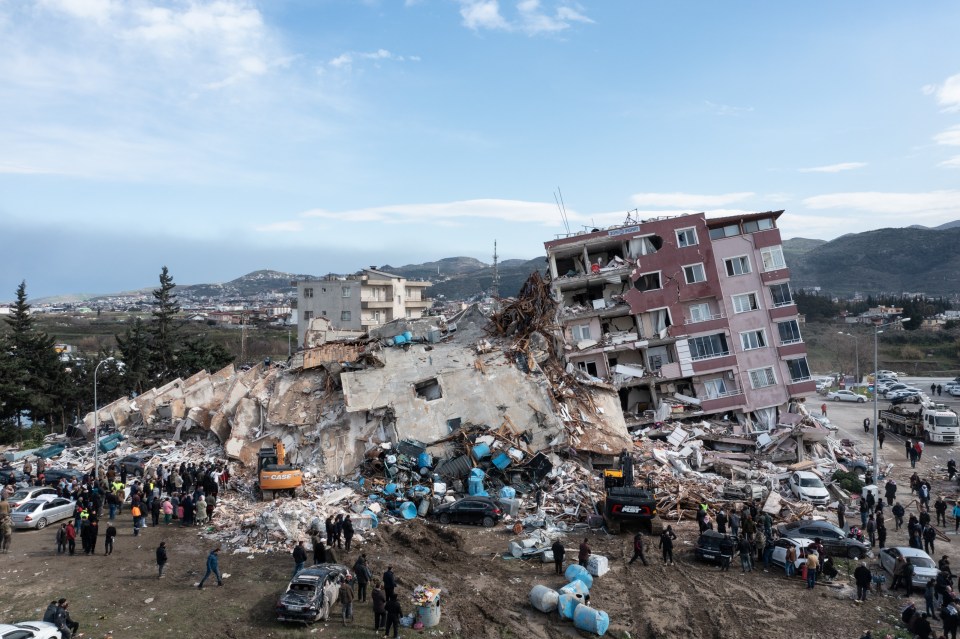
942,227
465,277
883,261
246,286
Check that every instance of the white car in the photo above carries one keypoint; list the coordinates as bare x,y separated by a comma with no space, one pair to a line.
24,495
808,487
780,550
37,513
846,396
955,391
924,568
29,630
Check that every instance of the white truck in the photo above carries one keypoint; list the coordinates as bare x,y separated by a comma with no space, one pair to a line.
933,422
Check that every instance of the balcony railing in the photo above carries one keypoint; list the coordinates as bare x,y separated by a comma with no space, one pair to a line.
700,358
729,393
787,342
782,304
707,318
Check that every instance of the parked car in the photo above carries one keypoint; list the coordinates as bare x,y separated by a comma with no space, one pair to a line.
955,391
9,474
53,475
29,630
924,568
845,396
781,545
808,487
312,593
136,463
903,393
708,545
470,510
24,495
835,541
37,513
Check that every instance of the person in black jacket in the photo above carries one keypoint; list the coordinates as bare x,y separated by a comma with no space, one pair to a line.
347,531
666,544
161,558
299,557
637,550
389,583
558,552
863,577
379,599
338,531
363,577
393,616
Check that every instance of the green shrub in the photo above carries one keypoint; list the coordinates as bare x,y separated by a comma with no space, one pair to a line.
848,481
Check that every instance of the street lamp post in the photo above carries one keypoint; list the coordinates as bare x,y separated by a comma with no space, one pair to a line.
876,394
96,421
856,347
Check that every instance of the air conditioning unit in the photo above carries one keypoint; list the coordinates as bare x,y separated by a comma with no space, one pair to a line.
730,375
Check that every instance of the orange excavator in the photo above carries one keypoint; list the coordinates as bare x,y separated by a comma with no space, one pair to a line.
274,475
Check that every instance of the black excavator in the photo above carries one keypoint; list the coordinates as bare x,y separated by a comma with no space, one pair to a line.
625,505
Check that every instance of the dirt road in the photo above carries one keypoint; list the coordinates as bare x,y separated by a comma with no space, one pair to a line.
485,595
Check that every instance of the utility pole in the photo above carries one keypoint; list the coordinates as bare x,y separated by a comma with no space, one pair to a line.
495,284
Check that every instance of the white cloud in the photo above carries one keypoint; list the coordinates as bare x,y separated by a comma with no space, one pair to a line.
688,201
951,163
895,205
290,226
531,18
490,209
835,168
346,60
947,94
950,137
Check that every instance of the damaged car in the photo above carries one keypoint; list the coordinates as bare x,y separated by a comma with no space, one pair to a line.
808,487
312,593
470,510
835,540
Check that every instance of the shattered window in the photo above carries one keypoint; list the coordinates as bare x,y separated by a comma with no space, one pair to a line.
428,389
648,282
799,370
686,237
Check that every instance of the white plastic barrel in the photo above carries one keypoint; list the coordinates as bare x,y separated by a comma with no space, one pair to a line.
544,599
576,572
590,619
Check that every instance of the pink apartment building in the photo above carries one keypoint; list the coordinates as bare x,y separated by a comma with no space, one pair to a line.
684,305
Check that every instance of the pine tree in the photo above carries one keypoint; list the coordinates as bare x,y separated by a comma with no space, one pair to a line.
135,353
164,331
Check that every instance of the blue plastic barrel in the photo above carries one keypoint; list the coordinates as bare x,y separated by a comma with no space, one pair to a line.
507,493
430,614
424,460
408,510
567,604
390,489
576,572
475,487
480,451
477,473
408,336
501,461
590,619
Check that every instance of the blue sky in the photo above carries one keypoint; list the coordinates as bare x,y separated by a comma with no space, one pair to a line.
319,136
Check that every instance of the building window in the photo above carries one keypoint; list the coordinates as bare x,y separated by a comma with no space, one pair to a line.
746,302
694,273
716,387
307,316
781,295
762,377
729,230
648,282
757,225
772,258
799,371
345,291
686,237
428,389
737,265
323,289
590,368
324,313
789,332
708,346
308,292
580,332
700,313
344,316
753,339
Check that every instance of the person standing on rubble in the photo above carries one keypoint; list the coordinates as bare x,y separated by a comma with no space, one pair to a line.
584,555
722,521
734,523
558,552
637,550
299,557
328,526
863,578
201,508
389,583
347,531
319,554
338,530
666,544
749,528
363,575
813,564
881,533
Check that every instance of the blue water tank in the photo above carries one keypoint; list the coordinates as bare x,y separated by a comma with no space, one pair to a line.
590,619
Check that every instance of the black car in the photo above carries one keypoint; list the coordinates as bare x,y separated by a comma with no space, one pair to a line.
312,593
136,463
11,475
708,545
470,510
835,541
52,476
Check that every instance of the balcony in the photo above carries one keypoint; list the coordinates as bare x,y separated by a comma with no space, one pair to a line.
723,401
703,319
568,282
417,303
375,303
709,364
783,312
793,348
802,387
